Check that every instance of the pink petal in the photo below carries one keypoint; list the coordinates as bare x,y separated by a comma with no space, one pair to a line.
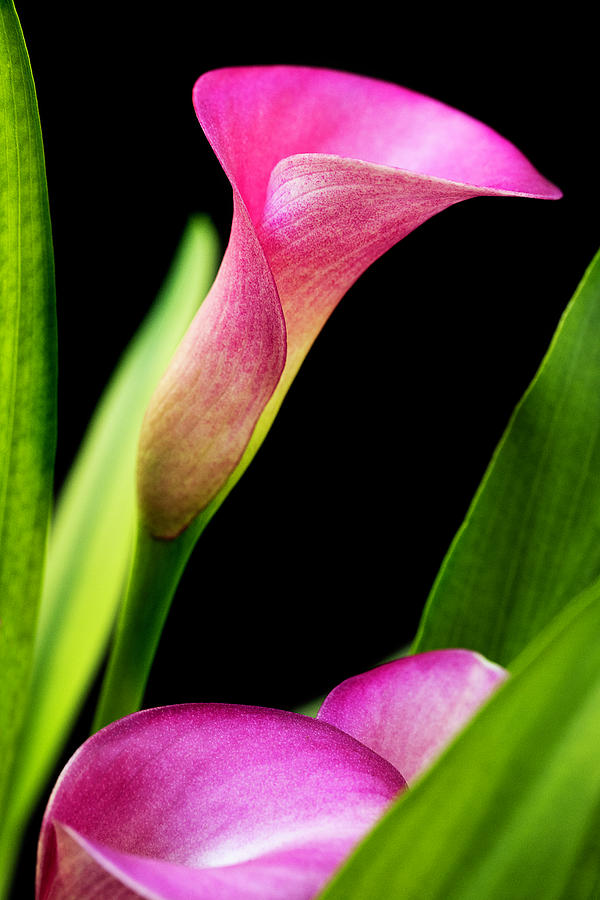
206,800
205,409
408,710
328,171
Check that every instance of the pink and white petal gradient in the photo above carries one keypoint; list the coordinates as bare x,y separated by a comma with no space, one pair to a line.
328,171
408,710
208,800
204,801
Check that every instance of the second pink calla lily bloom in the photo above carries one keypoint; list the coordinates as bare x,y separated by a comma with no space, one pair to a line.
328,170
206,801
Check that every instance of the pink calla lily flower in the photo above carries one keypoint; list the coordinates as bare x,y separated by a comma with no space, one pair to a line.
203,801
328,170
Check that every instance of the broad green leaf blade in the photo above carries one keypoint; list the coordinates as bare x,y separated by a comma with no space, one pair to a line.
530,539
91,541
27,378
512,809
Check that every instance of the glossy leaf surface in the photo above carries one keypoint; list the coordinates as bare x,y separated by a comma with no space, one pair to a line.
530,539
27,383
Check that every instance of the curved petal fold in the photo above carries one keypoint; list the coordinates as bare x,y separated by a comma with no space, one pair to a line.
224,372
408,710
204,800
328,171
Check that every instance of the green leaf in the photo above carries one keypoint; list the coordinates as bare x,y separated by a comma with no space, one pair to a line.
91,541
512,809
530,541
27,379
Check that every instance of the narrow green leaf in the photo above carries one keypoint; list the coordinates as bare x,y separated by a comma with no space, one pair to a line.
27,378
91,541
512,809
530,539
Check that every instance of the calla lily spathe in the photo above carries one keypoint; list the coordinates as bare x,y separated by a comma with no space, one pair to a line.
328,170
206,801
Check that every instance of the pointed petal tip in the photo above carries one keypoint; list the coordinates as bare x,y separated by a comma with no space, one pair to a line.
352,116
293,253
409,709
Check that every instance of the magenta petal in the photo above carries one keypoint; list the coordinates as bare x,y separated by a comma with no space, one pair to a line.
258,115
328,171
408,710
226,368
205,800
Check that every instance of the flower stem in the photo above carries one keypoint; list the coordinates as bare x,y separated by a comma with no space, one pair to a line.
157,568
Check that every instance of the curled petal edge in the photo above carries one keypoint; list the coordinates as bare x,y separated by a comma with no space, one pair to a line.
178,805
328,171
408,710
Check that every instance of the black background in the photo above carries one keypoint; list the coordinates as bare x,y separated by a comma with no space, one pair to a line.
320,561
